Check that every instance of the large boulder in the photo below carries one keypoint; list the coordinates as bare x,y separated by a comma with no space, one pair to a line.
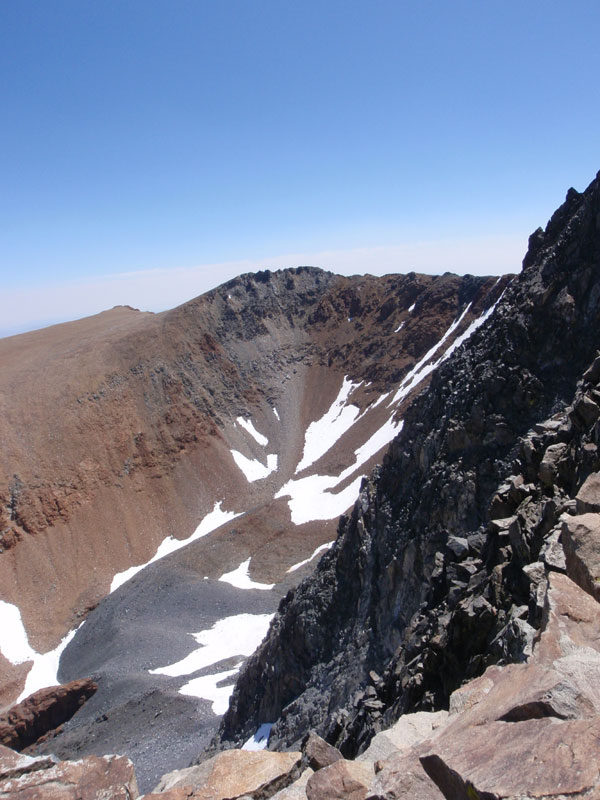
581,542
231,774
343,780
91,778
42,712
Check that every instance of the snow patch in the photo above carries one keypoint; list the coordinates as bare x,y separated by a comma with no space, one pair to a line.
248,426
240,578
260,740
399,328
15,647
319,549
311,498
238,635
412,308
322,434
276,413
253,469
206,688
209,523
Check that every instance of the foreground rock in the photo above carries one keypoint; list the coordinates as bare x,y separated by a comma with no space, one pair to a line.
343,779
231,774
531,729
43,712
92,778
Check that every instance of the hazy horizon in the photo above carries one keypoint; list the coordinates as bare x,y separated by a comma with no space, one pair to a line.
152,149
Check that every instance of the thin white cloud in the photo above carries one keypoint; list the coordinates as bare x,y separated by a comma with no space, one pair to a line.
26,308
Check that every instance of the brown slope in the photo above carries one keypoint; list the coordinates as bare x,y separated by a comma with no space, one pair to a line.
116,430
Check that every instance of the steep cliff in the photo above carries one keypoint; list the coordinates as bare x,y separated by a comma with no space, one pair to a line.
425,585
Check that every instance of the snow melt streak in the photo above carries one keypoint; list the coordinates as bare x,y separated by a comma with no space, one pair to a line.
322,434
247,425
253,469
209,523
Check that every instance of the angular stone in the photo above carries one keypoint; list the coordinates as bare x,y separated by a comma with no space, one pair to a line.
318,753
581,541
458,546
91,778
536,758
548,469
233,773
402,777
411,729
344,780
553,554
592,373
587,410
588,497
296,790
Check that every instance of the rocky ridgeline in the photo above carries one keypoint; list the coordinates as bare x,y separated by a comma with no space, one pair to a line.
440,570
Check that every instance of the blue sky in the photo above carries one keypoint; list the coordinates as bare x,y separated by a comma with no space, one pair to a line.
151,149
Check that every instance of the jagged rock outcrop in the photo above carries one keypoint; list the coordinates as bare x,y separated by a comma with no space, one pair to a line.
42,712
439,570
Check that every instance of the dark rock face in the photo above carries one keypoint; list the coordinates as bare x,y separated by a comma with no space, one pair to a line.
433,576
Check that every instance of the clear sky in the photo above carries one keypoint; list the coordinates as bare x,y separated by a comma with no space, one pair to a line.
151,149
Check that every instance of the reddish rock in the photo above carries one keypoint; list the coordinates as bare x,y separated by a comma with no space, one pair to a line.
92,778
231,774
581,542
318,753
401,776
42,712
13,764
537,758
344,780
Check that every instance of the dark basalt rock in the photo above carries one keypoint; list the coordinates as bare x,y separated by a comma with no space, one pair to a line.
492,453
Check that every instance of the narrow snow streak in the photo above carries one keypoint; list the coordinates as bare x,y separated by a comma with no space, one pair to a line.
247,425
276,413
260,740
319,549
412,308
240,578
322,434
399,328
209,523
422,368
253,469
